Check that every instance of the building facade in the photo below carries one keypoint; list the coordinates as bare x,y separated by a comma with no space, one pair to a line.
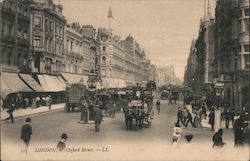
190,69
15,25
47,37
122,62
233,50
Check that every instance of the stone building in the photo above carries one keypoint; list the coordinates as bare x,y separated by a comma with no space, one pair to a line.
80,52
233,50
112,59
47,37
189,75
136,63
204,47
15,25
122,62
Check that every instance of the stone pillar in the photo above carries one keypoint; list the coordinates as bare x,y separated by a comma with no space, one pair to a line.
42,65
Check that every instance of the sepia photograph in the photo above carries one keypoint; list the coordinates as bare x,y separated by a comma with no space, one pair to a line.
121,80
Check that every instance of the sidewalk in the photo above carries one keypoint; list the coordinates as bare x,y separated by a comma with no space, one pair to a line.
32,111
205,124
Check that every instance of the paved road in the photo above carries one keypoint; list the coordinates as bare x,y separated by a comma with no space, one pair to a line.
121,143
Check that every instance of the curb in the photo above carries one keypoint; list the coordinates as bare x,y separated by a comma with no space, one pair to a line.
34,114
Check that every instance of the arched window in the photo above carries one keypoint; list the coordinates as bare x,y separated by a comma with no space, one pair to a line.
104,60
110,59
109,73
103,72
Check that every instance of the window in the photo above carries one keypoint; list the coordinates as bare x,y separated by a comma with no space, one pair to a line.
10,30
247,48
46,24
57,29
19,34
109,72
247,61
9,58
104,39
50,45
110,59
103,60
103,48
25,35
71,45
247,24
38,21
103,72
37,41
240,13
3,27
61,31
247,12
50,25
46,44
48,63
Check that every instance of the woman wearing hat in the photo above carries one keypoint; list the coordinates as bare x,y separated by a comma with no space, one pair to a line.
61,144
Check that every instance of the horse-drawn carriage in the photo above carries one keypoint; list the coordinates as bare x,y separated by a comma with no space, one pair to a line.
138,112
75,95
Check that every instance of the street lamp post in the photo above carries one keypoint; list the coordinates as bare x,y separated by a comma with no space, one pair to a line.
218,87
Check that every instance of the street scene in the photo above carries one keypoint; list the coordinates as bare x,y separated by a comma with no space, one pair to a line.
125,80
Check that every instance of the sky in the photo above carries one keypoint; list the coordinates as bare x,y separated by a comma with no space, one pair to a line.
164,28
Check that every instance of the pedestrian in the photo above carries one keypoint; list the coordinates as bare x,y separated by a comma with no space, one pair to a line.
37,102
61,144
227,117
217,139
180,116
170,99
112,110
11,111
176,135
98,119
239,132
211,119
158,105
50,102
189,119
26,132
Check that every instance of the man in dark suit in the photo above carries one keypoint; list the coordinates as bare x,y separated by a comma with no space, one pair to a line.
26,132
98,119
10,111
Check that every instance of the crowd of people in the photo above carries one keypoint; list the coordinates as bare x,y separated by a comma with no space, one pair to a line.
198,109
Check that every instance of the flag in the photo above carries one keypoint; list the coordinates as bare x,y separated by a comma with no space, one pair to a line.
110,13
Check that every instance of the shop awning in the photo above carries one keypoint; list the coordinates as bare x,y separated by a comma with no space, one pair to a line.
31,82
113,83
51,83
75,78
5,90
14,83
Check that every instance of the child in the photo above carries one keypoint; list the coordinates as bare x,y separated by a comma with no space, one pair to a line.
176,135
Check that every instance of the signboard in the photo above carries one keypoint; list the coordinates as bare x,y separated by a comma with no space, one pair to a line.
135,103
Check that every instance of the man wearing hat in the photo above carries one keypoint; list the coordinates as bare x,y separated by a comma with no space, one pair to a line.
61,144
26,132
